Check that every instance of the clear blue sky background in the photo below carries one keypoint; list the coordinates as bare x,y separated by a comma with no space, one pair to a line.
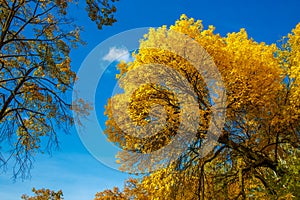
72,168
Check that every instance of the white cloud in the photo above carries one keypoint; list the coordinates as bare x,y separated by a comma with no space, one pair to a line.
117,54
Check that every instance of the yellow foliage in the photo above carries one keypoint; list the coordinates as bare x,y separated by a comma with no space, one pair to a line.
261,82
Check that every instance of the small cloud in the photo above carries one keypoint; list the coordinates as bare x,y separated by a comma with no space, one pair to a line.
117,54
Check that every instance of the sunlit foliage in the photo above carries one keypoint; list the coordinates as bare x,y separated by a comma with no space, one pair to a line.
257,156
36,37
44,194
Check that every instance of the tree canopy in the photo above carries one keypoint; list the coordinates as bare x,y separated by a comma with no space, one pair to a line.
36,37
44,194
256,154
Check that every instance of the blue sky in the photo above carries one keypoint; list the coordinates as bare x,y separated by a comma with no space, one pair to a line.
73,169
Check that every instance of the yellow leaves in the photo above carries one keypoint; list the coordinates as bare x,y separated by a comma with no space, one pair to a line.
64,66
65,74
289,57
183,17
39,72
188,26
27,139
77,34
251,65
262,107
122,66
44,194
288,196
50,18
35,50
294,37
32,92
118,161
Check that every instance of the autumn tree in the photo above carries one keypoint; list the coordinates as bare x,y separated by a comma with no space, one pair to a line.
36,37
44,194
132,190
255,152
